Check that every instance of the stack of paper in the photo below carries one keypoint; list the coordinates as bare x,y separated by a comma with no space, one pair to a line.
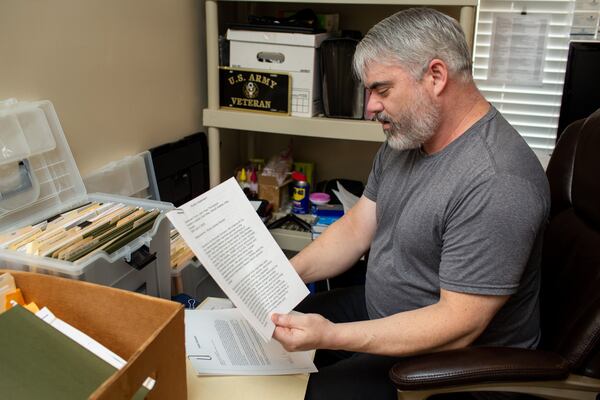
219,341
233,244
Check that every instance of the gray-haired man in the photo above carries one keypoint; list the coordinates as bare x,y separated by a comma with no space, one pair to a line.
452,213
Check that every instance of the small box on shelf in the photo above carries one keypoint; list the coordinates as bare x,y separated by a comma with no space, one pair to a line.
269,189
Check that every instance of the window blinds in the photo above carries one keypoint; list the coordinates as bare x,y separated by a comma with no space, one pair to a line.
532,108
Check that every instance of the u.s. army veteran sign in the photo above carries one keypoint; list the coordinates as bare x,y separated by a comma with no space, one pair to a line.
261,91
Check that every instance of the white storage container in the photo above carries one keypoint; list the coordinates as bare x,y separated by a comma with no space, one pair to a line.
193,280
39,179
295,53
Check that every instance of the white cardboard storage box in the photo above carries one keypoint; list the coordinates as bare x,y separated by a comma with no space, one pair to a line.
36,150
295,53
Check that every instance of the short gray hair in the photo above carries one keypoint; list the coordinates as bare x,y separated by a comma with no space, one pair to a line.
412,38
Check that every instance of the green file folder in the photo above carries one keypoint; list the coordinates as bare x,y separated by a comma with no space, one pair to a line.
39,362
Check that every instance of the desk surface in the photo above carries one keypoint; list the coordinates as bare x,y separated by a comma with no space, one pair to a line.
280,387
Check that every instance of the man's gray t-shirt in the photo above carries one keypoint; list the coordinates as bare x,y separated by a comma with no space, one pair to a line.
466,219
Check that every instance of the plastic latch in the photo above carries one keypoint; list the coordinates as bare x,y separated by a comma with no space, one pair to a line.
15,180
141,257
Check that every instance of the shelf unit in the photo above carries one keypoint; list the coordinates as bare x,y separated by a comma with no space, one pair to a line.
215,119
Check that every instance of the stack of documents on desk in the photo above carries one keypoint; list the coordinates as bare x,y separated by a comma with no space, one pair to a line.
79,233
221,342
235,247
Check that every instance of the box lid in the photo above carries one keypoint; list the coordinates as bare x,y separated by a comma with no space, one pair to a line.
38,174
292,39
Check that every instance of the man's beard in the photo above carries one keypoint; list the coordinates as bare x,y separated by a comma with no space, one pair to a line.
415,125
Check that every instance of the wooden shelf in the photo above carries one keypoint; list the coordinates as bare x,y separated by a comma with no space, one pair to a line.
332,128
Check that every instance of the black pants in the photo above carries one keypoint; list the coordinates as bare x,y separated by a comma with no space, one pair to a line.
342,374
348,375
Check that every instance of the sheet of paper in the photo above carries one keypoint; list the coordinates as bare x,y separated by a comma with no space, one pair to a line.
215,303
222,342
518,48
233,244
347,199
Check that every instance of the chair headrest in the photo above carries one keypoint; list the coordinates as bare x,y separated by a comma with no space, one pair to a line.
560,168
585,191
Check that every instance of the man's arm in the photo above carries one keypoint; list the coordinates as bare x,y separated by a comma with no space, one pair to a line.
454,322
340,245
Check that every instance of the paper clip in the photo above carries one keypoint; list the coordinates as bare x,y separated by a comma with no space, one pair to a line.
204,357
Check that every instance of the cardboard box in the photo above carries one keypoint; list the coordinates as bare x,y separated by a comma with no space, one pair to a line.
295,53
269,189
147,332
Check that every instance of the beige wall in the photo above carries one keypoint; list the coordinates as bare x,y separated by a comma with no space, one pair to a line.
124,75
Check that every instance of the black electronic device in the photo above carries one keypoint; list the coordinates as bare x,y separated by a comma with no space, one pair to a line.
581,90
181,168
304,21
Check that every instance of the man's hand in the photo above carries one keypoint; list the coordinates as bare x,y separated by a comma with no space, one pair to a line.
302,332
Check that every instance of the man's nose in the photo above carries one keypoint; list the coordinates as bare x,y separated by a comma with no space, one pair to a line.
374,106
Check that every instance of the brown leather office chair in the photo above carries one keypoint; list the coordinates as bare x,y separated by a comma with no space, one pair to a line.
567,362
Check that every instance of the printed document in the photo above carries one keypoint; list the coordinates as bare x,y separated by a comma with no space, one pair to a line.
233,244
222,342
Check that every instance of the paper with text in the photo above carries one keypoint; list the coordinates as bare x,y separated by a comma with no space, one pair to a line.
233,244
222,342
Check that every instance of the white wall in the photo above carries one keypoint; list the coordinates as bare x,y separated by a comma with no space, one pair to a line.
124,75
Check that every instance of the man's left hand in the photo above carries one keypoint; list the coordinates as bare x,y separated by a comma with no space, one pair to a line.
302,332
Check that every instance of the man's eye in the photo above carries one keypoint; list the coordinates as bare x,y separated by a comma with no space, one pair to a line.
382,91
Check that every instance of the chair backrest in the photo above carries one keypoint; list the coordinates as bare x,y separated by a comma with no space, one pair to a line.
570,294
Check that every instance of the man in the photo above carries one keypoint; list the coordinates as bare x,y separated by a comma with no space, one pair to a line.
452,214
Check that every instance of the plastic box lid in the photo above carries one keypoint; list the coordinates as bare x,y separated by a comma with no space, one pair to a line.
38,175
132,176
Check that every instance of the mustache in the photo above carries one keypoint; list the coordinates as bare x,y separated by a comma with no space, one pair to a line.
381,117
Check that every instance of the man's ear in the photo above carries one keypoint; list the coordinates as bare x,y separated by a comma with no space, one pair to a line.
437,72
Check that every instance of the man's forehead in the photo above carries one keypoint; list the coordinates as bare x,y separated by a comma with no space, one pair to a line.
377,73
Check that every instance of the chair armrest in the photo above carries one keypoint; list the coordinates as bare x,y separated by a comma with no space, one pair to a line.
477,365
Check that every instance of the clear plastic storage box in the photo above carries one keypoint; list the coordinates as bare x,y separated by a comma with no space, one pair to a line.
39,179
193,280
